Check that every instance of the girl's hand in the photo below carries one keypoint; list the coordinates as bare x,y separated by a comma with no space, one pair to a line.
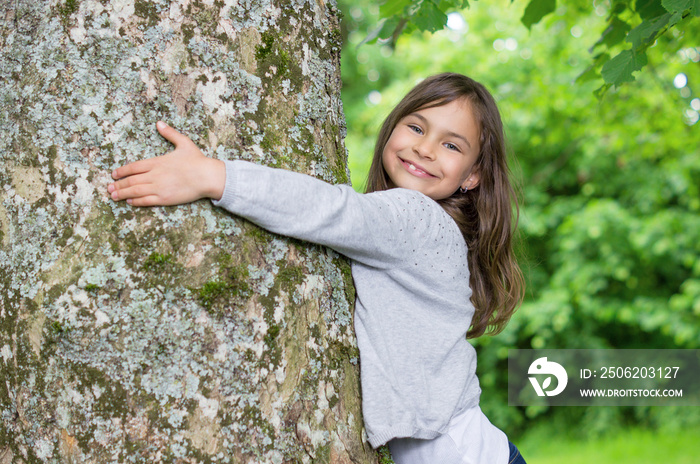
182,176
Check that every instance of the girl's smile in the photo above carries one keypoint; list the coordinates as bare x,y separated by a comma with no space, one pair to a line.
415,169
433,150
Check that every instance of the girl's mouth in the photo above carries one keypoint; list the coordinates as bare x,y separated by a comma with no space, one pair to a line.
415,170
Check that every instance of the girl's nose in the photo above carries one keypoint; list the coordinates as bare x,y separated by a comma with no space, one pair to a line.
424,149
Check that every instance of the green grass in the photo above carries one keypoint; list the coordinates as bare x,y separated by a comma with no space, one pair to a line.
633,446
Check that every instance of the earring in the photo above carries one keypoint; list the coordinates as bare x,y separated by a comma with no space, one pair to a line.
464,189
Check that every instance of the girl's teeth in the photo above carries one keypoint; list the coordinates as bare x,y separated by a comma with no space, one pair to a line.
412,167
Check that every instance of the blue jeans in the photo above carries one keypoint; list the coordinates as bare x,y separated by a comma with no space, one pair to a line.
515,456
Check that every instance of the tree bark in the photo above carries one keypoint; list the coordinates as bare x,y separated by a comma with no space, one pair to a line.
177,334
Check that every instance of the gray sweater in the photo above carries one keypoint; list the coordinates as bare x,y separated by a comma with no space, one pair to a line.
409,266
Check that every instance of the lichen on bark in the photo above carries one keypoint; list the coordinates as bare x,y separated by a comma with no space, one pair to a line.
177,334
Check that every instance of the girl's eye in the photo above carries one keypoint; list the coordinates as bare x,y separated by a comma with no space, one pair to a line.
415,129
451,146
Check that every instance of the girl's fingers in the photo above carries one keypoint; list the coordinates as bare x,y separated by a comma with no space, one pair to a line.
134,192
129,182
151,181
150,200
137,167
171,134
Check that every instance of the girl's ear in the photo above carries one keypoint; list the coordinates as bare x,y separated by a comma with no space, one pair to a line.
471,181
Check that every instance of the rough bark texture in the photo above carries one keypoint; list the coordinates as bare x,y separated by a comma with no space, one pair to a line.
183,334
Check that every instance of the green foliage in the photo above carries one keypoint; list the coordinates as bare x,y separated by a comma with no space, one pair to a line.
384,455
620,68
628,447
536,10
640,23
406,16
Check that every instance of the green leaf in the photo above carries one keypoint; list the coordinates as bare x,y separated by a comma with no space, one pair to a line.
445,5
649,9
373,34
620,68
601,91
677,16
392,28
387,28
619,6
429,17
676,5
393,8
696,8
614,34
591,72
536,10
647,30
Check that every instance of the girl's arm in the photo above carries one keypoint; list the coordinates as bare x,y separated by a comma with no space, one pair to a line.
182,176
379,229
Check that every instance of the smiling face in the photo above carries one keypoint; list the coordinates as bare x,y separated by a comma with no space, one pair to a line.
433,150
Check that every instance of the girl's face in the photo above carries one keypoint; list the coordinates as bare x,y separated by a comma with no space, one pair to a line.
433,150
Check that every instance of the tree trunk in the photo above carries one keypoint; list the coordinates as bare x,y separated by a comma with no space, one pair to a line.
178,334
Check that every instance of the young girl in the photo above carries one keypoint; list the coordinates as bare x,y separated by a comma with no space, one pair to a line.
438,186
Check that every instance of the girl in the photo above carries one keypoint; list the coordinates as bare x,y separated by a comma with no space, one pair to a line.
438,186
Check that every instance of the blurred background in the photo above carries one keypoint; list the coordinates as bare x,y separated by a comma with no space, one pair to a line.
609,225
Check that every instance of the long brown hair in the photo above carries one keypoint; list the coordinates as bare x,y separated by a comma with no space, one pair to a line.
486,215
